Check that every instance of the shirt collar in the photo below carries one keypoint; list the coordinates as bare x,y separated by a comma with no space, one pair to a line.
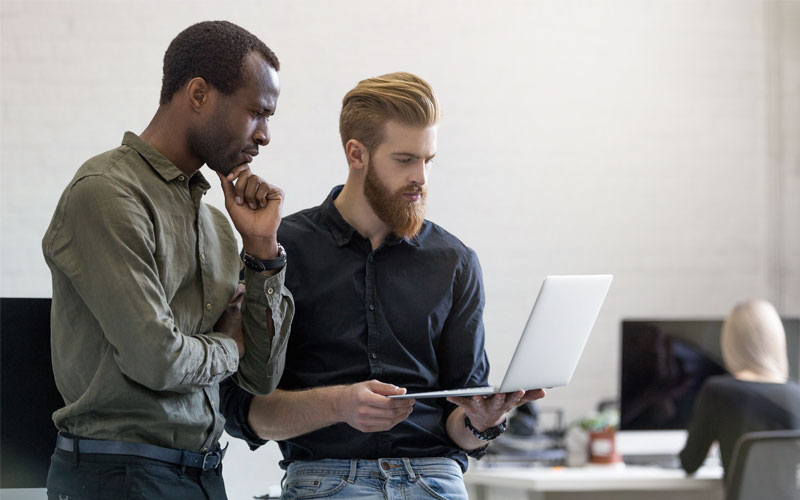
165,168
343,232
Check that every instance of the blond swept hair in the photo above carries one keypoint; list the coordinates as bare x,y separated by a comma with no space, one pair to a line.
753,339
400,96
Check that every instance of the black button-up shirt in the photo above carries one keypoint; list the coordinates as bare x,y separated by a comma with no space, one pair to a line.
408,313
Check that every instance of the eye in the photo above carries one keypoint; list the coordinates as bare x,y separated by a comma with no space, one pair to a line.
404,160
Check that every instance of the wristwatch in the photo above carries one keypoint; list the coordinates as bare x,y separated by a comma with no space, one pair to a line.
259,265
487,434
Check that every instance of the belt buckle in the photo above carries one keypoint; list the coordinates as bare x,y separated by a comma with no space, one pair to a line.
210,455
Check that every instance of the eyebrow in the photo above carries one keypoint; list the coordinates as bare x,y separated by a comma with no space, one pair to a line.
412,155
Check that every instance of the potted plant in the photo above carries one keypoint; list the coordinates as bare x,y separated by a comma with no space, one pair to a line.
602,427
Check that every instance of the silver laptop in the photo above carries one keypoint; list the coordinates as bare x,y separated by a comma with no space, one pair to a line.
551,344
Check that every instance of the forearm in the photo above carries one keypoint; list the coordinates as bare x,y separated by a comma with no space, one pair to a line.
267,313
702,431
461,435
696,448
287,414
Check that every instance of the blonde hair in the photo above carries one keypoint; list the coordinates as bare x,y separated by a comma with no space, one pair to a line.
399,96
753,339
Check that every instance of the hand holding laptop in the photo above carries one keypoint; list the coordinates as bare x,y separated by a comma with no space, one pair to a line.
489,411
365,407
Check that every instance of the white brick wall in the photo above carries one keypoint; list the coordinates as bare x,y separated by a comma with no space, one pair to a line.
655,140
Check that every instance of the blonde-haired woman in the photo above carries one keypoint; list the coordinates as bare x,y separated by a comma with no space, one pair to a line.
757,396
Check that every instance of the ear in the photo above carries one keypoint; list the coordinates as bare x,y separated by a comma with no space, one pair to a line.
357,154
198,90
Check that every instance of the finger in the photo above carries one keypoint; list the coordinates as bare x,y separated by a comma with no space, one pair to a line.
533,395
275,193
389,420
380,401
262,193
497,400
227,188
384,389
384,403
512,399
491,410
250,190
371,412
240,183
508,406
400,404
515,400
235,171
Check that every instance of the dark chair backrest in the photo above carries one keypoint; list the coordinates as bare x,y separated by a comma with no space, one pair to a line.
765,465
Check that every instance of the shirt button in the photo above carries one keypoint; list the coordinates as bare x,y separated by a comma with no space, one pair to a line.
181,178
270,291
374,356
371,307
212,404
202,256
384,466
208,306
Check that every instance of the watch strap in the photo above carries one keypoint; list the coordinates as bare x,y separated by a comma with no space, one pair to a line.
486,434
260,265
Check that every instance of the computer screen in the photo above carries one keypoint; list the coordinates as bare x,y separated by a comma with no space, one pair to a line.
28,396
665,362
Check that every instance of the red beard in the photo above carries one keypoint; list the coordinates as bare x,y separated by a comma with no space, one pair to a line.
403,217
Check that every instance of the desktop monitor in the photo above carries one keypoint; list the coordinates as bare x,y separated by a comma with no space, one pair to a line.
665,362
28,396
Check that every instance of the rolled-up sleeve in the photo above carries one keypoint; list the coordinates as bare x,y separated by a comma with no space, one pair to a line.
267,313
235,406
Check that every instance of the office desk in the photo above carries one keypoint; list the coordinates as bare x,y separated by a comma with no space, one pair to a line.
595,482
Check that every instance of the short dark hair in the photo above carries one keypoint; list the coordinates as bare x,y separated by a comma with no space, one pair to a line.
214,51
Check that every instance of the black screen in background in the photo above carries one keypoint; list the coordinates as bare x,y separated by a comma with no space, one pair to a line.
28,396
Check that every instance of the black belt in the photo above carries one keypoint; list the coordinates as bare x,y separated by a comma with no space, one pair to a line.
205,461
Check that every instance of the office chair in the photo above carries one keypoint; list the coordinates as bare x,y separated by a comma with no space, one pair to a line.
765,465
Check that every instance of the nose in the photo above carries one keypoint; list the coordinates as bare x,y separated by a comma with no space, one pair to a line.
419,174
261,134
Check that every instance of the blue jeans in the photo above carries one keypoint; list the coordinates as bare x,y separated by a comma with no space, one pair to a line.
385,478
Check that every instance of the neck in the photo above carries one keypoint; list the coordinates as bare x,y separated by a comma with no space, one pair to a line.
167,134
356,210
751,376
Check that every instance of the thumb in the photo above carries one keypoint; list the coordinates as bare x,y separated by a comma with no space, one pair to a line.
385,389
227,188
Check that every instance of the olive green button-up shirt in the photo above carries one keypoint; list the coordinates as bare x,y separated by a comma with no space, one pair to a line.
142,270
